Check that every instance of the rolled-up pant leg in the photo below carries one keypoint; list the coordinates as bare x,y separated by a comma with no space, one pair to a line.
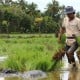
70,52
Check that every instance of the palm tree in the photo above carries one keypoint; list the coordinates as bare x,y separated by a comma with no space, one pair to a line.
78,14
8,2
53,10
1,2
32,8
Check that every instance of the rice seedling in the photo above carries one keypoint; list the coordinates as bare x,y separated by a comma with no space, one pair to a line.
30,53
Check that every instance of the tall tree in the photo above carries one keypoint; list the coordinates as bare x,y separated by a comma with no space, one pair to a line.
32,9
22,3
8,2
1,2
78,14
53,10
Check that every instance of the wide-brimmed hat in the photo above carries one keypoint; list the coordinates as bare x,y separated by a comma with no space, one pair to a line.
69,9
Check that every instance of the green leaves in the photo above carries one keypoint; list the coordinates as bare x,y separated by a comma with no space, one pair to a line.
63,39
29,53
78,40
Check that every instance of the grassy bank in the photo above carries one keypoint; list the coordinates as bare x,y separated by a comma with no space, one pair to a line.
29,53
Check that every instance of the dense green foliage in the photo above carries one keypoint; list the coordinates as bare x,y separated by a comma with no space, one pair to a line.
20,17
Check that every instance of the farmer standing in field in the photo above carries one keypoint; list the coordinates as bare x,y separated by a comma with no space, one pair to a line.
71,26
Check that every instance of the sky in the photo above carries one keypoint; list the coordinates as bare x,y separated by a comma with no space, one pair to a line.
42,4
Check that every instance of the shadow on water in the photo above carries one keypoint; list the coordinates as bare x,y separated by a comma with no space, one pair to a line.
55,75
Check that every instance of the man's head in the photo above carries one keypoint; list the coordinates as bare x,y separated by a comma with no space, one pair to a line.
70,12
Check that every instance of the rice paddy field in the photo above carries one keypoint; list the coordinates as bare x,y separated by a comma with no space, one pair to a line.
28,51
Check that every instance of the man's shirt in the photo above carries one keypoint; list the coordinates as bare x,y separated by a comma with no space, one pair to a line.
72,28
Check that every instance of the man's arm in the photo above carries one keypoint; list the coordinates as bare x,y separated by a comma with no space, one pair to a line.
62,29
61,32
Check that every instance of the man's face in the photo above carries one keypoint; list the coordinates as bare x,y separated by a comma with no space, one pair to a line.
70,15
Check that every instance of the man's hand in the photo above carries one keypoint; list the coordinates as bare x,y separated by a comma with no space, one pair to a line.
59,41
62,31
59,38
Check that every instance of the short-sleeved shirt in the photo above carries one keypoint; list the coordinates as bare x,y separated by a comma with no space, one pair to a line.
72,28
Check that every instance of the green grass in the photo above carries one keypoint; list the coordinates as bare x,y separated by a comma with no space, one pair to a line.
29,53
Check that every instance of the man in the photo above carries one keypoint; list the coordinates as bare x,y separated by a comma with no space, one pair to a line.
71,26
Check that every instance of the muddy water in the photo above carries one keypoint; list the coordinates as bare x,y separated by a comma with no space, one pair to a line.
10,78
3,58
65,73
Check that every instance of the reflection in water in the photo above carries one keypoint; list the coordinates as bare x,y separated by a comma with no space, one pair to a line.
74,75
71,75
2,78
3,58
12,78
53,76
64,75
56,75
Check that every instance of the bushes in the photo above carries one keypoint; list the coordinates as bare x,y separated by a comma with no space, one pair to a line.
21,22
